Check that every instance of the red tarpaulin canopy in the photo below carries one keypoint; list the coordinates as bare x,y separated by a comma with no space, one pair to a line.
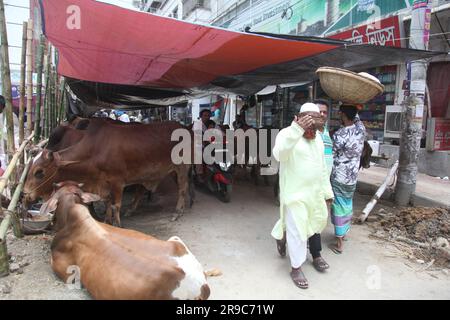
128,57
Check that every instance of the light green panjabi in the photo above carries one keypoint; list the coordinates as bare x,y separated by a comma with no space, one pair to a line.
304,182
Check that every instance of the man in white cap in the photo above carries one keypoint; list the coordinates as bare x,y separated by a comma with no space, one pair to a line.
305,189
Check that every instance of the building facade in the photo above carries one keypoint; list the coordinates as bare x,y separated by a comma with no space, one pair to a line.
380,22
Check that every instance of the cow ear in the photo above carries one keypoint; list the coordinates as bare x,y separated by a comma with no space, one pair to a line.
49,206
89,197
82,124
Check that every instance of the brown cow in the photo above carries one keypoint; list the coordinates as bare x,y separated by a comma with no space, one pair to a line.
115,263
109,157
70,133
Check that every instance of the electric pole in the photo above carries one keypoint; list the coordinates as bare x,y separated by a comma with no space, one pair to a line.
413,105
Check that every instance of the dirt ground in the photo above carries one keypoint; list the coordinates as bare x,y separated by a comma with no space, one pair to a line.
235,238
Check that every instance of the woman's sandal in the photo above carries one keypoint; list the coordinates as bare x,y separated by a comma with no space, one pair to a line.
320,264
299,279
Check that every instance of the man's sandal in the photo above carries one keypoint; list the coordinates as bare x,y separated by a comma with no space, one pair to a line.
320,264
281,247
299,279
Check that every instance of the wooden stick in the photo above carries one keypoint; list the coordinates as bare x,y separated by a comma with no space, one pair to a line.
22,83
4,178
37,121
379,193
6,80
42,143
412,242
12,215
29,75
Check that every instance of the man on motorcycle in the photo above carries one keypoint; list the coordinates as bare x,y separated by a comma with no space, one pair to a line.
199,128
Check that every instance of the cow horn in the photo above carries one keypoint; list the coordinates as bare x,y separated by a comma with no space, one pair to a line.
62,163
57,185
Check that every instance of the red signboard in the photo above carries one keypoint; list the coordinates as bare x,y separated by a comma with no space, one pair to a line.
442,134
385,32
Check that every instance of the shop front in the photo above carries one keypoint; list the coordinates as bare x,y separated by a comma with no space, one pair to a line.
383,115
375,113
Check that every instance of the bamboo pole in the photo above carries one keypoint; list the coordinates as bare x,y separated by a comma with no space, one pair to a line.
50,103
55,99
46,113
12,205
47,91
53,102
4,178
369,207
42,143
63,99
11,217
37,121
29,75
4,264
22,83
6,81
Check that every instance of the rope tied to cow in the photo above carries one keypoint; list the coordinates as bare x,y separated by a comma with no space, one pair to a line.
42,183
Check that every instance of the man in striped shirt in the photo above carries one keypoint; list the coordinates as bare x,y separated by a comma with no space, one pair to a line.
315,242
324,133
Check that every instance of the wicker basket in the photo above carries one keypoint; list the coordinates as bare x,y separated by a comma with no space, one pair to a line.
348,86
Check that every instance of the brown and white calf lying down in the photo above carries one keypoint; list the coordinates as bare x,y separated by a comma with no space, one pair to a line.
117,263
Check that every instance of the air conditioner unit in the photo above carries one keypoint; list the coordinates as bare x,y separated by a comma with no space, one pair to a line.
393,122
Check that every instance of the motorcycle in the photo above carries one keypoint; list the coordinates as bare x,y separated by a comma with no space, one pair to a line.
218,176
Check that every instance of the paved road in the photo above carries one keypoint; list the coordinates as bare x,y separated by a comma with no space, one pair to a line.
235,238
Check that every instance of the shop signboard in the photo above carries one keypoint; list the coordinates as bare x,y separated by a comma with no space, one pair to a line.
386,32
438,134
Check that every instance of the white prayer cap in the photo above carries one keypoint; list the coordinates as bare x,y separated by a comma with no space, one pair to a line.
309,107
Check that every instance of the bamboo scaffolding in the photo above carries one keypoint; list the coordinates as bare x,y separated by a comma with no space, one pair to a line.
29,75
37,121
11,217
6,81
22,83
